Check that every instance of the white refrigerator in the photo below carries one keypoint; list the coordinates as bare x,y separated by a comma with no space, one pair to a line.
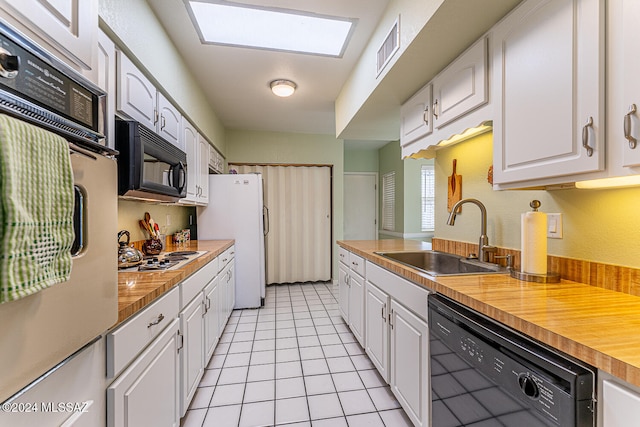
236,211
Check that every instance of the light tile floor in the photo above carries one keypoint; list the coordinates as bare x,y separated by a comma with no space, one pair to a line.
293,362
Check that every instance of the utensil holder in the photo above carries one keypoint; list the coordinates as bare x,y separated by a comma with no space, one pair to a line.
152,247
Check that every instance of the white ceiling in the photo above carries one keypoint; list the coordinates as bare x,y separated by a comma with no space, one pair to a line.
236,80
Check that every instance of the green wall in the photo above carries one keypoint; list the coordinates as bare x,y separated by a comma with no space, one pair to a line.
599,225
293,148
361,160
408,196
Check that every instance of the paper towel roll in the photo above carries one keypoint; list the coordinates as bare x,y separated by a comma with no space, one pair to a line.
534,243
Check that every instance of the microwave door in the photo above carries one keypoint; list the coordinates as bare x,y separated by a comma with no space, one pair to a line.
157,173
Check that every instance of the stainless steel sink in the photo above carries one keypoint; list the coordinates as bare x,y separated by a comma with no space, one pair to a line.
437,263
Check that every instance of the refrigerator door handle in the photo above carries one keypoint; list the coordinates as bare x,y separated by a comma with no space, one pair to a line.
265,219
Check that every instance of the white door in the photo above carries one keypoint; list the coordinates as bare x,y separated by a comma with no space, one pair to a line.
415,117
631,85
190,140
620,406
409,363
376,329
360,206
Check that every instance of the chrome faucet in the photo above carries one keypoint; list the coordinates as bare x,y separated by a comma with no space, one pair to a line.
483,245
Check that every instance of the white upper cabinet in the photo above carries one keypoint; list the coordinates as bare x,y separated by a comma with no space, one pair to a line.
70,26
140,100
455,100
462,86
415,115
168,125
191,147
548,92
630,93
136,94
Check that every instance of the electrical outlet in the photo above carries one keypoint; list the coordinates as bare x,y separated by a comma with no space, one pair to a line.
554,225
168,221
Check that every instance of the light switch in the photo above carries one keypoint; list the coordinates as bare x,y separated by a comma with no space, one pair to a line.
554,225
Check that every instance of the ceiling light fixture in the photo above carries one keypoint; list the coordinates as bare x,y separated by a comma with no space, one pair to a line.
283,88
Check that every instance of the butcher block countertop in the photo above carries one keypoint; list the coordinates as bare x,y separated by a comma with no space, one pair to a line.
595,325
138,289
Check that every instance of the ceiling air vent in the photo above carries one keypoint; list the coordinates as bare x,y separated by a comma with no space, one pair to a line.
389,46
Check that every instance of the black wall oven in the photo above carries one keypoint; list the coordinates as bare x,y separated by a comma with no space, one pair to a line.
149,167
483,374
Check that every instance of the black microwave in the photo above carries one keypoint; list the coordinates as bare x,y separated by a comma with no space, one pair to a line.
149,166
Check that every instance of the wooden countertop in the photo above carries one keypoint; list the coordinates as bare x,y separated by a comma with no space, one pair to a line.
595,325
137,289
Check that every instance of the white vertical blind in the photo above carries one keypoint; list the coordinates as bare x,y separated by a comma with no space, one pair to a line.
389,201
299,239
428,180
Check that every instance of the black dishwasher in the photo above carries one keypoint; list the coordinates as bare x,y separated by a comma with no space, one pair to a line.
484,374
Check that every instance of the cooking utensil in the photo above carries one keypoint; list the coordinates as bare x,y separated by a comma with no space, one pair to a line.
454,188
128,256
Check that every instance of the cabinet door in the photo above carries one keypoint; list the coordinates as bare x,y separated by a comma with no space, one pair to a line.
620,406
169,121
376,328
211,318
147,393
190,139
192,352
203,170
410,363
549,87
343,295
106,79
416,119
136,94
231,286
69,25
356,307
631,84
462,86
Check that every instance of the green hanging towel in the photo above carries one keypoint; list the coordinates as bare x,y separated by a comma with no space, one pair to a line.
36,209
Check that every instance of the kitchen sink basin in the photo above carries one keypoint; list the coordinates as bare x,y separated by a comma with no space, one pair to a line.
437,263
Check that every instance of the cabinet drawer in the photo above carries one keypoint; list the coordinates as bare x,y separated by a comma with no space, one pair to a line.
356,263
226,256
125,342
192,285
412,296
343,256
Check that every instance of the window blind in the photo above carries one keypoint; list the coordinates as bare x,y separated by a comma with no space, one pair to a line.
428,181
389,201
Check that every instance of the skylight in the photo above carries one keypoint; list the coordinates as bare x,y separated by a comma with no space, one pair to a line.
235,24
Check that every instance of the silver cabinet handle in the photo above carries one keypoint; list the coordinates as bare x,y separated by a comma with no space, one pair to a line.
155,322
627,127
585,136
425,116
155,116
164,123
435,109
384,318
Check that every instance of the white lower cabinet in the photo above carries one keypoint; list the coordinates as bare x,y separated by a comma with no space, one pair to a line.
397,338
619,404
377,338
351,292
356,307
192,352
147,392
211,317
158,357
410,363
